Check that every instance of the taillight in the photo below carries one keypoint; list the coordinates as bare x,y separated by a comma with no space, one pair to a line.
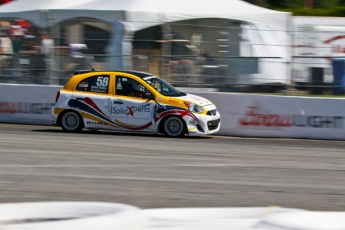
57,96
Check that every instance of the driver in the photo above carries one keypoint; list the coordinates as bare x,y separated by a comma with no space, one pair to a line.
132,89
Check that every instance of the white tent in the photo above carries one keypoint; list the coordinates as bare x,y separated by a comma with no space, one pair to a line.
144,13
133,15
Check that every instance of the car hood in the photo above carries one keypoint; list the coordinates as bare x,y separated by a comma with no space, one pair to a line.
196,99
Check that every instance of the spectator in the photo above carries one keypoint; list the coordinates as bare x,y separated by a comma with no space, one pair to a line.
29,43
37,65
6,52
17,41
81,56
48,49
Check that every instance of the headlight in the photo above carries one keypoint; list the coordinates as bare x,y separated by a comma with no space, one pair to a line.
194,108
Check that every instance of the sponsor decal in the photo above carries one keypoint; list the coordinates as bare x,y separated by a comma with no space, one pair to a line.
196,98
254,117
165,110
334,39
331,122
130,111
160,100
172,101
192,122
336,48
25,107
149,77
83,85
89,106
99,89
9,107
97,123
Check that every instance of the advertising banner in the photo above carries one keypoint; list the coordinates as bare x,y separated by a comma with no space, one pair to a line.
241,114
27,104
274,116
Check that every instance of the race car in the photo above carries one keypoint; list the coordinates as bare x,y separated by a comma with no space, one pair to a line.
131,101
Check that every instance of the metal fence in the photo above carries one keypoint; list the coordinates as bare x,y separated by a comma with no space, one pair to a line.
205,53
319,74
226,73
256,74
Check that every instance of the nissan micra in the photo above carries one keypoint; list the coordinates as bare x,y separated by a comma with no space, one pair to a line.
131,101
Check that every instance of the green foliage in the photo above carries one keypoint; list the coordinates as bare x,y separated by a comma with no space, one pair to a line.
262,3
325,4
333,12
332,8
338,11
285,3
292,4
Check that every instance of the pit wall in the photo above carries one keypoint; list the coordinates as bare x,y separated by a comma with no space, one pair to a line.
247,115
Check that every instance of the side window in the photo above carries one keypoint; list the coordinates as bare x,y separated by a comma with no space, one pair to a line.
96,84
157,85
126,86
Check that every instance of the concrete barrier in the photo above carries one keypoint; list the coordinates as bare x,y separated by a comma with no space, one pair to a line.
242,114
280,116
27,104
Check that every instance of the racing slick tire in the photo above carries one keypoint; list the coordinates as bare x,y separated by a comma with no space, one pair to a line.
174,127
71,122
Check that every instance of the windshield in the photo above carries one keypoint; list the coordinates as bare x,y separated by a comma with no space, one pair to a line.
162,86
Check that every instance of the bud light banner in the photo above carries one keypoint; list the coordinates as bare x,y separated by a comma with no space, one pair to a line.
280,116
27,104
241,114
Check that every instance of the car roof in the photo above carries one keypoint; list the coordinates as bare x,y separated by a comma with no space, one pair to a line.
134,72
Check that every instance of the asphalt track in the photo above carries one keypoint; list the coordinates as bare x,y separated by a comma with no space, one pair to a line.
42,163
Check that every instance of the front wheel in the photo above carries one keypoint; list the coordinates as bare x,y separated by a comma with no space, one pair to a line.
174,127
71,122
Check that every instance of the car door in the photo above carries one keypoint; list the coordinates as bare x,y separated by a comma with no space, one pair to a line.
92,98
130,111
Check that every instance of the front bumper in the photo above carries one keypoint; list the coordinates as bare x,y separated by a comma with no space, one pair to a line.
205,125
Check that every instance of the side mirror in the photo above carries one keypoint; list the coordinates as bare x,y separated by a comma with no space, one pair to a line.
148,95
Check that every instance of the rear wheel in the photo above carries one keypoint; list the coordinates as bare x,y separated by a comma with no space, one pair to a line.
174,127
71,122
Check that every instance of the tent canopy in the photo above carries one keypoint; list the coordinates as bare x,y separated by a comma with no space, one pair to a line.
134,15
139,14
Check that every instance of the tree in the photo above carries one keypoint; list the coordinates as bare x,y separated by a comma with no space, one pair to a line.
262,3
308,3
286,4
321,4
282,3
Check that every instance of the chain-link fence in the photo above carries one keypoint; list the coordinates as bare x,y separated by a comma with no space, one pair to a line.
208,53
226,73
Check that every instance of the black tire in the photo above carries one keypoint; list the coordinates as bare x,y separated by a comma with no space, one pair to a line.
71,122
174,127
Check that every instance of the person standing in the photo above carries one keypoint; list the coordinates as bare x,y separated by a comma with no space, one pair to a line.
17,38
6,52
48,50
47,47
